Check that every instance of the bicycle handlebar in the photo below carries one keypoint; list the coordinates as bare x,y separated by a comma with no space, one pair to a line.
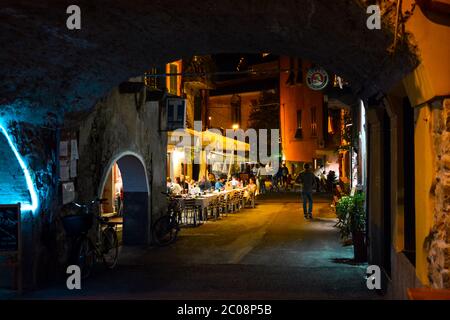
96,200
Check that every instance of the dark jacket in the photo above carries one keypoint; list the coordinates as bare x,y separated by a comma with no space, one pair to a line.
308,179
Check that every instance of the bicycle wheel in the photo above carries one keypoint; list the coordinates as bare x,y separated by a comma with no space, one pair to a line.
165,230
110,248
85,257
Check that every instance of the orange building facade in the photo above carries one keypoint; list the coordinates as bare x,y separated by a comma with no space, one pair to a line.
301,116
222,115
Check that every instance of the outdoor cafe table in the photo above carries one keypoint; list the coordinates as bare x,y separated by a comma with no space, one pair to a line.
203,201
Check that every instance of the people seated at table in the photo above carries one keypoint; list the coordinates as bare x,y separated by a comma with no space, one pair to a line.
176,187
234,182
195,190
251,186
204,184
184,182
169,184
212,179
220,184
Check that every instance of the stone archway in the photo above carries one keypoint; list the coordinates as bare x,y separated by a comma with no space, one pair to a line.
52,70
136,197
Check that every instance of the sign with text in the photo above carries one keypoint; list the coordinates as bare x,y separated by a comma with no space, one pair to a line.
317,78
9,227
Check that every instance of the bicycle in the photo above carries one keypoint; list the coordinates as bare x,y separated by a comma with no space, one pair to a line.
165,229
84,250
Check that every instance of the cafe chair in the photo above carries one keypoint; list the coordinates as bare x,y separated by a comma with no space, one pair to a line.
241,199
191,212
249,199
237,202
213,208
224,204
231,201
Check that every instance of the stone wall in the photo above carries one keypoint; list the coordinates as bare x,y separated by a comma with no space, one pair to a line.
438,242
121,124
37,146
50,70
118,123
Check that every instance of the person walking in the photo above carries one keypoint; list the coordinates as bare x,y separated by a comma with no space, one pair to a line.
308,180
284,176
276,180
261,177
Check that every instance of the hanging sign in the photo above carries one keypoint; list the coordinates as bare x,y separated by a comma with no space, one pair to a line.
68,192
317,78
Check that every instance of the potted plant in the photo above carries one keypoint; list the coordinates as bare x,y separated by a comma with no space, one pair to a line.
352,223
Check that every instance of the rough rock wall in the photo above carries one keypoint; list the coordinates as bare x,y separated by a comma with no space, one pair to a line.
117,124
38,146
48,69
122,123
439,240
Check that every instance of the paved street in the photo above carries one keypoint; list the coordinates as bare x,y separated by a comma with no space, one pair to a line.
269,252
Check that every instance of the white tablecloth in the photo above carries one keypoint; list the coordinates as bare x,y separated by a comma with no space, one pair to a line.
205,200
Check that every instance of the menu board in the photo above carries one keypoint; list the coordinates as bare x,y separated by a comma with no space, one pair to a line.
9,227
68,162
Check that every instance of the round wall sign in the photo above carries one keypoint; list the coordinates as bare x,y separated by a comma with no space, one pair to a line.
317,78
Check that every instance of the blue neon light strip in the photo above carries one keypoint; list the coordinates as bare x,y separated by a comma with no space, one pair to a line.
34,199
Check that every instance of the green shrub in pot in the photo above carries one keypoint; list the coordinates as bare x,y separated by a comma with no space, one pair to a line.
352,223
351,215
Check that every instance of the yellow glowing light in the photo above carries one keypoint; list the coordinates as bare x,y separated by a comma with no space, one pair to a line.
178,157
235,126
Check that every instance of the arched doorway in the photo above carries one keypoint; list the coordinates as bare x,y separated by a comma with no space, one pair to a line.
125,185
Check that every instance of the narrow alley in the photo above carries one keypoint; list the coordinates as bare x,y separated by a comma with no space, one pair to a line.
268,252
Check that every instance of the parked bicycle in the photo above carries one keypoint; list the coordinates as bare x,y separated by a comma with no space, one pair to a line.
165,229
86,248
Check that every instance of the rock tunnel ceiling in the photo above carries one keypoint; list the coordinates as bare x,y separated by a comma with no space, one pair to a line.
48,70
